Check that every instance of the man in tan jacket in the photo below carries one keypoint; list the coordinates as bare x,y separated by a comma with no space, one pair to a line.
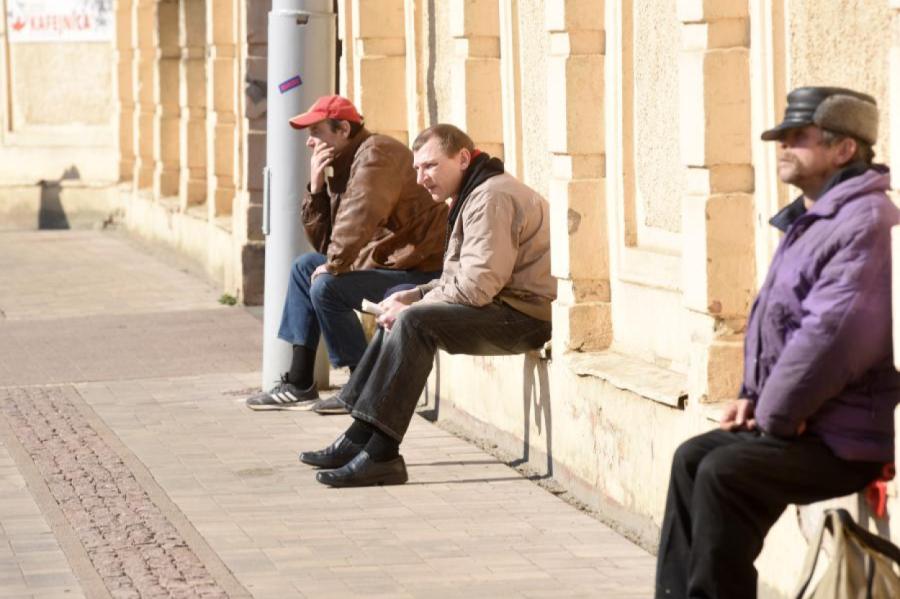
492,298
372,228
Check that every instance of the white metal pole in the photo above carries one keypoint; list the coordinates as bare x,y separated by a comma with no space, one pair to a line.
301,66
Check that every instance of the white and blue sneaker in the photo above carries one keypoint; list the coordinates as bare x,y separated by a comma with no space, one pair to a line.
284,396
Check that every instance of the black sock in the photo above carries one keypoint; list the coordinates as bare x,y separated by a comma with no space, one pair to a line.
359,432
382,448
303,365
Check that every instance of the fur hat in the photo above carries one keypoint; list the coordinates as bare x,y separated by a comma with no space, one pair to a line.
834,108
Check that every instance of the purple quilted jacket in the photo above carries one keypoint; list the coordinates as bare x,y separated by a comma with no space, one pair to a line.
818,344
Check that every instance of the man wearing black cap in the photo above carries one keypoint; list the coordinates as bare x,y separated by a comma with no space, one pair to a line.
814,418
372,228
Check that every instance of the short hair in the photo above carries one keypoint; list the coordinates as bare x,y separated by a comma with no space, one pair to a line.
451,139
355,127
864,151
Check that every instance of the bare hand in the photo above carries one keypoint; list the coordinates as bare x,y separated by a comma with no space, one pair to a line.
396,303
322,155
738,416
320,270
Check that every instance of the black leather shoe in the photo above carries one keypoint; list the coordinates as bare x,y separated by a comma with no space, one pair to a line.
363,471
335,455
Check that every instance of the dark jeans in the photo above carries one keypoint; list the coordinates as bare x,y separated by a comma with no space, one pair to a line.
326,306
726,491
385,387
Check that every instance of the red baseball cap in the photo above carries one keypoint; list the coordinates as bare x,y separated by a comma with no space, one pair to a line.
327,107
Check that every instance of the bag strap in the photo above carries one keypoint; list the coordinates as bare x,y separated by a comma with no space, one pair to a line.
812,556
873,541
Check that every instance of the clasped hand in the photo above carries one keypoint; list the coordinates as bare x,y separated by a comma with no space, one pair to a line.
738,416
394,304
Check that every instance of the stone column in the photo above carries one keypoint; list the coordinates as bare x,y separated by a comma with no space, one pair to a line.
417,57
477,94
255,55
379,65
579,234
221,105
717,212
166,163
192,102
143,25
345,35
124,56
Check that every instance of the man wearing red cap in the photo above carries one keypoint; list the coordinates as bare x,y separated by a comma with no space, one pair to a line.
372,228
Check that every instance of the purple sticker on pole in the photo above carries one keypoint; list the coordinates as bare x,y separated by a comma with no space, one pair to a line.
286,86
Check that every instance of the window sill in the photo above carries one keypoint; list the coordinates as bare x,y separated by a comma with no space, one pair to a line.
631,374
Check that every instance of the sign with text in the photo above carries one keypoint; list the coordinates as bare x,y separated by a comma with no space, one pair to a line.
59,20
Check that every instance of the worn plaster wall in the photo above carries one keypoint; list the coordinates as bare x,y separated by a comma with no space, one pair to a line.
846,44
659,175
444,49
55,126
45,93
534,47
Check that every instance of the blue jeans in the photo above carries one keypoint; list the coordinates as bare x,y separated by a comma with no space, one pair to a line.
326,306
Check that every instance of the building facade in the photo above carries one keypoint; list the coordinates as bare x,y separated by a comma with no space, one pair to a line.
639,120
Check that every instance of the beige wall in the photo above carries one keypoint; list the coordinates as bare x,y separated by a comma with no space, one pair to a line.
843,44
659,176
639,121
191,140
46,92
531,56
52,122
444,49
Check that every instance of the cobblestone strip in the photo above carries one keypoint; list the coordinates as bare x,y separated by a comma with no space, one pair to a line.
131,543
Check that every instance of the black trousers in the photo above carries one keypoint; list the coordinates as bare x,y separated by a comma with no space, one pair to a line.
726,491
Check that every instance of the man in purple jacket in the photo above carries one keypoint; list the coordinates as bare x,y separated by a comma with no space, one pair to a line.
815,415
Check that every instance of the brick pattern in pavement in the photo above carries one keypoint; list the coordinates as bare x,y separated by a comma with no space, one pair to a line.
466,525
134,548
165,370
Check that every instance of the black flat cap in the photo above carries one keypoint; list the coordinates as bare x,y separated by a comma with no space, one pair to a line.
837,109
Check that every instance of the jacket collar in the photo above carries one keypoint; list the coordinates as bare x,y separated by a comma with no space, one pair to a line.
787,215
845,185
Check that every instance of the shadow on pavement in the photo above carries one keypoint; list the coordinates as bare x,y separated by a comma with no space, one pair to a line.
51,214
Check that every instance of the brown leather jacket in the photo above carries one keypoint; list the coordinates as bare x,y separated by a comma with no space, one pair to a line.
374,214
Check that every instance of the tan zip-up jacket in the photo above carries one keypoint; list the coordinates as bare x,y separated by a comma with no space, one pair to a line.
374,214
499,249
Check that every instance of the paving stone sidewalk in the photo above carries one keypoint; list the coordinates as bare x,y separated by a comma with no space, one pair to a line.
129,466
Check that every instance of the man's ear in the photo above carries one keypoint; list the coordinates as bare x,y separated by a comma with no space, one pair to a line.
846,149
345,129
465,158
